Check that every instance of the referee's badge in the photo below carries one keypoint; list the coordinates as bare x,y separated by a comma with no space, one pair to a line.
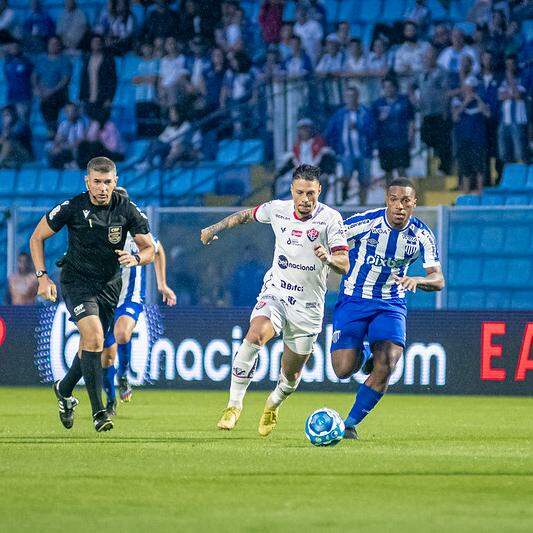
114,234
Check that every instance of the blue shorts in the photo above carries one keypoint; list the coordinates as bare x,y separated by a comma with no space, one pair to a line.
355,319
131,309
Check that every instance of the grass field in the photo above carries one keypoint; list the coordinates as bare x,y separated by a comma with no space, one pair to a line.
424,464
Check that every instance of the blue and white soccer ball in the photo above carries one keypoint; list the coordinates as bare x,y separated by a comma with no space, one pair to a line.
324,427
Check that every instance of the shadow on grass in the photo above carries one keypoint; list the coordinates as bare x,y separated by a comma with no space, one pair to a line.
117,440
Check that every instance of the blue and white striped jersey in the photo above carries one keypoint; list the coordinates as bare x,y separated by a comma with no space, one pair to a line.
133,278
379,251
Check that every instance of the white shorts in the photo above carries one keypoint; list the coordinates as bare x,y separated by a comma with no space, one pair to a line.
298,333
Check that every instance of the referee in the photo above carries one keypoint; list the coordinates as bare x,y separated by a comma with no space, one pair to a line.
98,222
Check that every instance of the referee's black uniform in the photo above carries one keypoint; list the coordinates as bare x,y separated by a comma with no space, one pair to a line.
91,283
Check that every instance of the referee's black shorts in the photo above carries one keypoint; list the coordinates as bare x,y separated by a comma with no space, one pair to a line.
84,299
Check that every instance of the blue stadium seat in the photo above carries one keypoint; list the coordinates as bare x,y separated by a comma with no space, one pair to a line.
130,63
529,181
332,11
516,237
493,197
70,183
519,272
468,199
518,199
7,182
514,176
472,300
178,182
234,181
392,10
494,272
522,300
369,10
289,12
463,238
492,238
498,300
251,152
438,11
465,271
27,182
527,29
349,10
205,179
48,181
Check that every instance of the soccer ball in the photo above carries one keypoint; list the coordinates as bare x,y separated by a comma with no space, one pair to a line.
324,427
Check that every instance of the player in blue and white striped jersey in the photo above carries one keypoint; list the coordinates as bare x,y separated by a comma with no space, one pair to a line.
371,303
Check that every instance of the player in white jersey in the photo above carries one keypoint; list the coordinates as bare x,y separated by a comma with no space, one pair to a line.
130,306
371,301
309,241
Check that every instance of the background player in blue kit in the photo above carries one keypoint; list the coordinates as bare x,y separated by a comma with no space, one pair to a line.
130,306
371,300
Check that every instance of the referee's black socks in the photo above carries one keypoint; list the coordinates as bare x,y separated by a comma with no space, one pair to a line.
91,368
67,384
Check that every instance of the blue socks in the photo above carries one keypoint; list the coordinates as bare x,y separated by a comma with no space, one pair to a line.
109,382
365,401
124,356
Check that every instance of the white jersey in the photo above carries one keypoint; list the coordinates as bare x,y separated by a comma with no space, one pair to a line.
133,278
297,276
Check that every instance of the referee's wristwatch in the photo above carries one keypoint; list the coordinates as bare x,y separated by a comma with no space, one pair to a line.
40,273
137,258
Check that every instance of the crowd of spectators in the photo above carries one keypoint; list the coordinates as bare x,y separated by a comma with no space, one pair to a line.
205,73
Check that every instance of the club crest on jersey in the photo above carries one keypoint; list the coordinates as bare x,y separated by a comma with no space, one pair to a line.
312,234
410,249
114,234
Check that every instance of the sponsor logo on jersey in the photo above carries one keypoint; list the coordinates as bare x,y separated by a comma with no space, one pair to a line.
56,210
291,286
380,261
291,300
297,233
372,242
284,263
336,335
277,215
312,234
79,309
283,230
114,234
85,213
311,305
293,242
260,304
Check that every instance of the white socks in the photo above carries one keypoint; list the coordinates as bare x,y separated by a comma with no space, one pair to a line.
242,372
283,390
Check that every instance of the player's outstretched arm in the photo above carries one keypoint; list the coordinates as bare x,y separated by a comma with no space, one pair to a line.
433,281
47,288
160,266
236,219
338,261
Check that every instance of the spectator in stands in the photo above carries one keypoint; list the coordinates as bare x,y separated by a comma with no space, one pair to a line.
147,112
450,58
171,70
298,64
8,23
50,80
394,118
15,140
229,35
102,139
117,26
512,132
480,13
159,48
38,28
343,33
333,61
214,80
98,80
271,20
356,64
271,69
317,12
310,33
497,38
420,14
198,64
22,284
378,61
311,149
72,25
285,41
70,133
469,113
456,79
488,91
350,133
196,20
238,92
177,141
161,22
409,60
441,37
435,130
18,73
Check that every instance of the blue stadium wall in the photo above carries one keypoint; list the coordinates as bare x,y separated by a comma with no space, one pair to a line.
448,352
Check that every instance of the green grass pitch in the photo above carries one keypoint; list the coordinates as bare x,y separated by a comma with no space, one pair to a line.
423,464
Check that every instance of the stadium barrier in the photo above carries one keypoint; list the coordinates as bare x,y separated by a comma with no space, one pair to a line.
448,352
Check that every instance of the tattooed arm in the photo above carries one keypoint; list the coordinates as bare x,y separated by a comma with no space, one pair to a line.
241,217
